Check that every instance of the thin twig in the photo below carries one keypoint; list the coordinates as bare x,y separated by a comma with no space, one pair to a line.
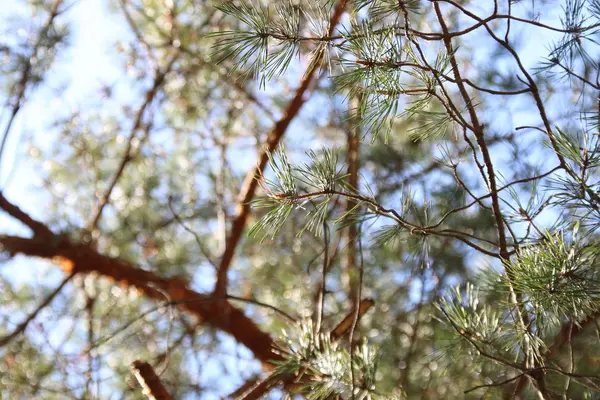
356,311
23,325
320,303
129,154
205,252
25,78
495,384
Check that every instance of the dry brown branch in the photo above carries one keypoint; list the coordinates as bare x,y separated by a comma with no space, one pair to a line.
81,258
344,326
149,381
258,388
570,330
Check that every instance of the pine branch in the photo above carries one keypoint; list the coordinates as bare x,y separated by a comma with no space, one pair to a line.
524,322
287,203
250,182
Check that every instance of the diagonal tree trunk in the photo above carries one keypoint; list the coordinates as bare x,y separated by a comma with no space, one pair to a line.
250,183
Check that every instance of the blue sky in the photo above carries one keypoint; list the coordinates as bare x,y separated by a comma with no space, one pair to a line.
83,68
80,71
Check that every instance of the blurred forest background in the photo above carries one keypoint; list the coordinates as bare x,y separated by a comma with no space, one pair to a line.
149,211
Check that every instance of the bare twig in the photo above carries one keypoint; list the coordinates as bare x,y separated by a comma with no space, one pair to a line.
496,384
23,83
205,252
23,325
129,154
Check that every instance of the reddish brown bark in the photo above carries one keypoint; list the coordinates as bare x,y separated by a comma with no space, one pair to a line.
149,381
250,183
256,389
353,161
344,326
79,258
213,310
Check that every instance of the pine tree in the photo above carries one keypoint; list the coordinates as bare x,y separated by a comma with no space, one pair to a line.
337,199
